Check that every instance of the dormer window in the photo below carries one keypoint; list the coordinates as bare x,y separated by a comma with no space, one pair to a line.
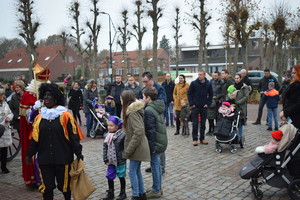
19,60
150,59
47,58
10,60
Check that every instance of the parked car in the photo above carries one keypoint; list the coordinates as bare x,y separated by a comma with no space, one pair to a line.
256,75
189,77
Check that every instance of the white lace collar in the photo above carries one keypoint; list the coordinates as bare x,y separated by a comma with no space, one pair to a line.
52,113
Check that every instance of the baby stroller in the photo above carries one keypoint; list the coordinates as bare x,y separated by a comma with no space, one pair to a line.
226,132
280,169
100,128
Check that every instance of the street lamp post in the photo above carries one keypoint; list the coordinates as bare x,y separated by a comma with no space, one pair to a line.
110,70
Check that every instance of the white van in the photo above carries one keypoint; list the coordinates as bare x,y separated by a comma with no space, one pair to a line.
189,77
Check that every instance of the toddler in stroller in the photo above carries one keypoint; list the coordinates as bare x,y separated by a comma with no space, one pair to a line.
100,127
279,169
227,128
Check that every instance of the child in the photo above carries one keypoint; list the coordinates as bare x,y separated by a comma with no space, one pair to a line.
113,147
110,106
273,145
184,116
226,109
272,97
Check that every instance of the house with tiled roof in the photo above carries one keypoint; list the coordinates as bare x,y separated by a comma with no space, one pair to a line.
132,59
15,62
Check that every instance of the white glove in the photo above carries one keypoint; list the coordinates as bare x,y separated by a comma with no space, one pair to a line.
260,149
37,105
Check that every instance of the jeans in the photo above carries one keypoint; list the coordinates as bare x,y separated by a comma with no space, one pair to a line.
169,108
272,112
89,122
156,172
240,128
262,103
203,114
136,178
163,160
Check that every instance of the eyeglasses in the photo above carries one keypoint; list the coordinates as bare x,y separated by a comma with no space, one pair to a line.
146,81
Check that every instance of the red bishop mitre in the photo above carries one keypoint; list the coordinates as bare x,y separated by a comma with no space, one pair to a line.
41,74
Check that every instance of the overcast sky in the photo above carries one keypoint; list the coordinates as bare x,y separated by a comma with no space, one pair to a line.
53,16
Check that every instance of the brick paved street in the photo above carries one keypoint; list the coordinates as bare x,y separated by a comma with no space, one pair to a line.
191,172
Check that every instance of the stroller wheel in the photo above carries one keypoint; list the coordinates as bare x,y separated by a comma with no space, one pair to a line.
93,134
218,149
294,189
258,194
233,149
242,142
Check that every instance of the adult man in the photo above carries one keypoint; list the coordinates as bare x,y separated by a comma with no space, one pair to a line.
82,83
216,84
116,90
157,137
262,87
161,94
200,96
245,78
169,85
227,81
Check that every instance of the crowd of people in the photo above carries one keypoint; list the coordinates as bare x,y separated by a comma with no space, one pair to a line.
137,118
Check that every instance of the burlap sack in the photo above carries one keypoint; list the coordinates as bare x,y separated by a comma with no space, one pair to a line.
81,186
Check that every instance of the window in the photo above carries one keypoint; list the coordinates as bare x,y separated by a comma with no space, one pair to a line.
71,60
119,71
150,59
136,71
47,58
10,60
19,60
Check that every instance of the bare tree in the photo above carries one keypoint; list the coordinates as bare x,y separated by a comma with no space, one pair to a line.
281,30
140,30
125,35
155,12
200,22
95,29
75,13
63,52
9,44
28,30
176,27
239,14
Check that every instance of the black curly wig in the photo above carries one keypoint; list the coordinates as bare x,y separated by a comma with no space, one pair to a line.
58,92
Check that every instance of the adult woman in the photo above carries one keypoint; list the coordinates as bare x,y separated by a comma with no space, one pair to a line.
136,147
180,92
5,140
75,102
55,138
241,98
89,95
291,109
132,85
14,103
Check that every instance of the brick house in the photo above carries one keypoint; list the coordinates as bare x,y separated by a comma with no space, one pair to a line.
15,62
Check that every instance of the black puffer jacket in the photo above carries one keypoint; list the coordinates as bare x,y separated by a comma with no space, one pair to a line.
119,145
264,82
292,103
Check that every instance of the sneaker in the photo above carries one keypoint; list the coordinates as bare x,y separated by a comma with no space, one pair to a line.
204,142
152,195
269,129
276,129
195,143
148,170
256,123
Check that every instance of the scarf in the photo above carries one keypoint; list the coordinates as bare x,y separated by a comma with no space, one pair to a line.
52,113
239,85
111,149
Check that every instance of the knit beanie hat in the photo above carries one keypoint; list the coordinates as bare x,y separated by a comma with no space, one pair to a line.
225,103
2,129
231,89
116,120
277,135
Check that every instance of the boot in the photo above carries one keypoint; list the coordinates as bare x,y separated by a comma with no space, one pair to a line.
110,192
177,132
135,198
143,196
110,195
67,195
122,195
